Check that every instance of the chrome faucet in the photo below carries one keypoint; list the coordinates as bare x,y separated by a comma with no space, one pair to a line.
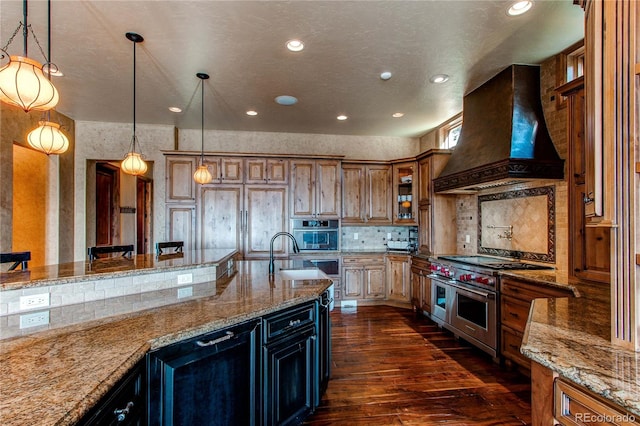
296,249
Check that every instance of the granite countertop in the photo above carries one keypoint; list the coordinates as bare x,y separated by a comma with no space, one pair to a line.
546,277
572,337
110,267
55,376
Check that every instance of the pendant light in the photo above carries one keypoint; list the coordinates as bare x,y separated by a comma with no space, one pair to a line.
48,137
202,174
133,163
22,80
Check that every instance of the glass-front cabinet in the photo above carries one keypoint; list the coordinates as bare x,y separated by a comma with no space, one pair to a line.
404,193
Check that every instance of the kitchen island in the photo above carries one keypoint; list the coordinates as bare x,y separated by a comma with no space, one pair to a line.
571,338
56,376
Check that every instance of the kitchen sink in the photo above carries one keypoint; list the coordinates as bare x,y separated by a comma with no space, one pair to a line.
303,274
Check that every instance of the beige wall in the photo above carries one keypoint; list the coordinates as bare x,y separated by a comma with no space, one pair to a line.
14,126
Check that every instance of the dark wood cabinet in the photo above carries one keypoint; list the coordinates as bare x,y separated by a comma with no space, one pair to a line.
290,365
212,379
124,405
420,285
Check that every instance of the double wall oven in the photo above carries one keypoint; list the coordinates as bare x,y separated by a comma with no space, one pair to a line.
465,296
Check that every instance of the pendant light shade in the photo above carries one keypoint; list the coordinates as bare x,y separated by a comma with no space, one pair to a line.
23,84
48,138
133,163
202,174
22,80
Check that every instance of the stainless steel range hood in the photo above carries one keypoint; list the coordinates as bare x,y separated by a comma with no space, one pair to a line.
504,138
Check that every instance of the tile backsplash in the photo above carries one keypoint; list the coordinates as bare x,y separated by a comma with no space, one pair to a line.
372,237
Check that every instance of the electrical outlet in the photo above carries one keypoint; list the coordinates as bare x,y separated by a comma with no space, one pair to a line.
34,301
185,292
185,278
34,319
467,238
355,235
388,236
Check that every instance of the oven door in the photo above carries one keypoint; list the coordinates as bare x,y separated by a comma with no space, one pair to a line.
316,239
473,313
441,292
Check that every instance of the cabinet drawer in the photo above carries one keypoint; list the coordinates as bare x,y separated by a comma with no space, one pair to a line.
511,341
420,263
515,313
574,406
282,324
361,260
526,291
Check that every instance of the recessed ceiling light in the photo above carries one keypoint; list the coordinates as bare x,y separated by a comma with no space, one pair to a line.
342,117
397,114
175,109
252,112
519,7
286,100
439,78
295,45
385,75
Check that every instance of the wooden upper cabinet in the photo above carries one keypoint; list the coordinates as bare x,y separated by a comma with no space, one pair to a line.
180,184
367,194
589,244
405,183
315,188
225,170
424,184
378,208
220,218
263,170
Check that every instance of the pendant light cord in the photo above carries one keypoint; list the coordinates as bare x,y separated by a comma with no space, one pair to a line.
134,96
202,125
25,30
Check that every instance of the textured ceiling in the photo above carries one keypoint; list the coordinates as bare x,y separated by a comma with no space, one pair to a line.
241,44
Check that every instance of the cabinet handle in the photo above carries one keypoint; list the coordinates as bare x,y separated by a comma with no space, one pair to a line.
588,199
513,314
228,336
516,347
121,414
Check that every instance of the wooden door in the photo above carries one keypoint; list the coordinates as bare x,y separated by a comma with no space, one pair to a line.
220,217
302,188
425,283
143,215
353,193
327,189
353,278
398,278
104,206
378,206
181,224
424,183
416,290
374,281
266,214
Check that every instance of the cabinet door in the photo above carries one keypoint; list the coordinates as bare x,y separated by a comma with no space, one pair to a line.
220,217
180,184
265,215
374,281
278,171
404,193
424,183
290,379
213,164
378,204
424,229
302,188
353,193
398,278
425,283
416,290
256,170
181,224
232,170
327,189
353,282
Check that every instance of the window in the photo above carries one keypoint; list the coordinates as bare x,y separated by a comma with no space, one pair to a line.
449,132
575,62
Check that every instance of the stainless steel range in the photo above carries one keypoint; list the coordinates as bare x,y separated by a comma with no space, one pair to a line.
465,295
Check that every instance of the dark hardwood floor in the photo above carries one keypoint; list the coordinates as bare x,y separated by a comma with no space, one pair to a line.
391,367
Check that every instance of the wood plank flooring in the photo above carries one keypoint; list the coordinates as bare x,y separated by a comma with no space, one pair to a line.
393,368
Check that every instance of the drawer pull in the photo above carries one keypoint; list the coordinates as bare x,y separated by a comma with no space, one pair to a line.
293,323
228,336
513,314
515,347
121,414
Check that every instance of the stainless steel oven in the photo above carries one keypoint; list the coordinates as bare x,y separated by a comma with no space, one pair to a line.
440,294
315,234
473,313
